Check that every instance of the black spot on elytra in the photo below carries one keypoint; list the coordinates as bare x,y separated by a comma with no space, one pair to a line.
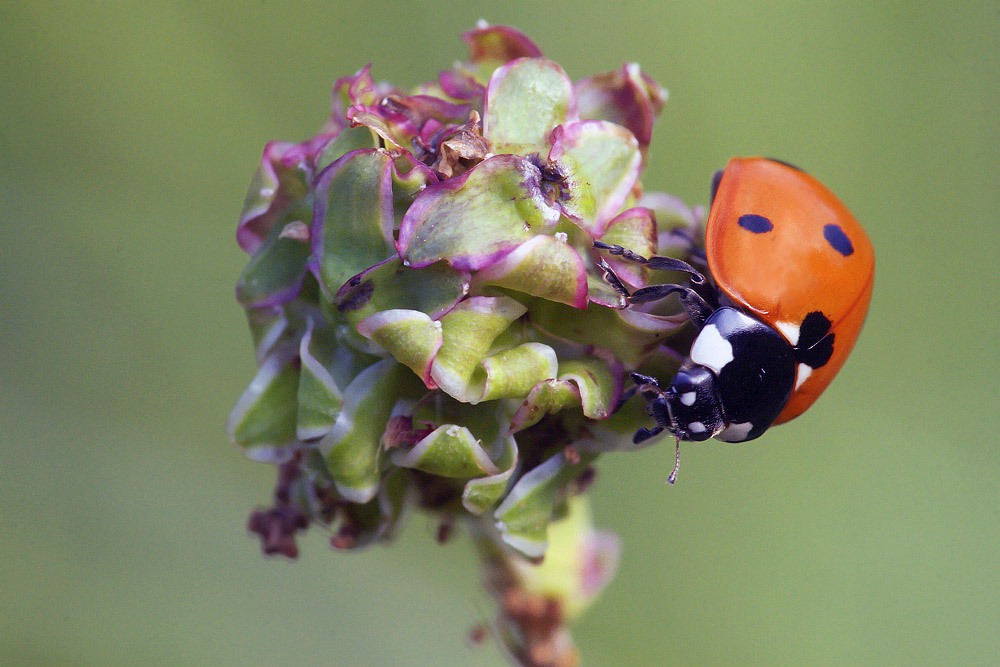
815,345
716,179
837,239
757,224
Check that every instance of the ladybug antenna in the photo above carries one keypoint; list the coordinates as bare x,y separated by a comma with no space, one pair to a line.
677,463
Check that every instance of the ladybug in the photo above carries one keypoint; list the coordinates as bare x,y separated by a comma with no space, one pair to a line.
791,274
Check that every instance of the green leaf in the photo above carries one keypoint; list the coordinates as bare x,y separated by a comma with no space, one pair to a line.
319,397
482,494
349,139
448,451
410,336
579,561
469,331
475,219
353,222
602,161
433,290
512,373
634,229
586,382
545,266
264,417
275,272
523,517
375,520
525,100
352,445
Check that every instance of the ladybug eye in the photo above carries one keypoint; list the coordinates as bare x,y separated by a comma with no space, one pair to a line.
757,224
837,239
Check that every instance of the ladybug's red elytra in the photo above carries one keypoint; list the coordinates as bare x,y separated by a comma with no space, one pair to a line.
791,277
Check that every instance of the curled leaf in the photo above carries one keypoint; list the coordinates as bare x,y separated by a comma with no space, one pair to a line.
449,451
627,97
603,159
475,219
469,331
410,336
351,446
589,382
499,43
389,285
524,515
483,493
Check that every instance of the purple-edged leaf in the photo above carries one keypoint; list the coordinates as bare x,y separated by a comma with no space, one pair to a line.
626,96
351,446
603,159
267,326
524,515
461,85
599,383
275,272
353,218
469,331
349,139
410,336
482,494
525,100
545,398
602,294
280,183
264,416
634,229
359,88
409,122
545,266
475,219
389,285
499,43
327,367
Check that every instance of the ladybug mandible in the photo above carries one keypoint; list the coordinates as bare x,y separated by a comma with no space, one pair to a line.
791,277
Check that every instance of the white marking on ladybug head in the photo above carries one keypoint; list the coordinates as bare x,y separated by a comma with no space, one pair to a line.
735,432
697,427
688,398
711,349
789,330
803,372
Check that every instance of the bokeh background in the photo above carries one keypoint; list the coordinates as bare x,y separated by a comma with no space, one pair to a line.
865,532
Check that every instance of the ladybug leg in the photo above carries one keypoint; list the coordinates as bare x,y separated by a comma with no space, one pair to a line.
695,305
644,434
611,278
656,262
697,308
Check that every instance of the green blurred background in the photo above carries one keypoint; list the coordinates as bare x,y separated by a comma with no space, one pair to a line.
865,532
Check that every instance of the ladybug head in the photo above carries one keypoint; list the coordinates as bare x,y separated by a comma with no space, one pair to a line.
691,408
